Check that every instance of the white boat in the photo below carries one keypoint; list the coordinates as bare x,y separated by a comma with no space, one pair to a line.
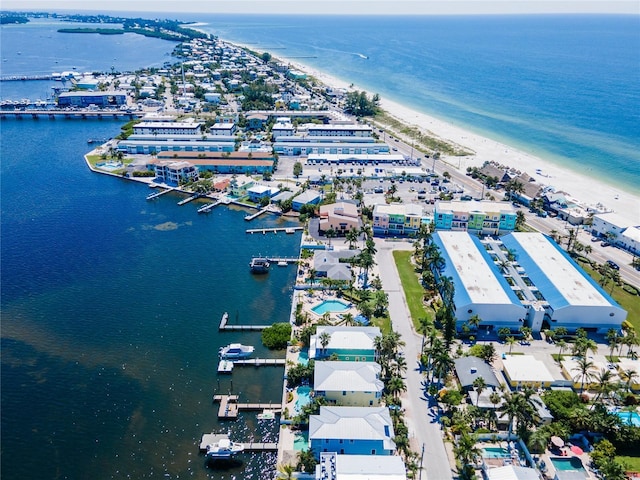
235,351
259,265
224,448
267,415
225,366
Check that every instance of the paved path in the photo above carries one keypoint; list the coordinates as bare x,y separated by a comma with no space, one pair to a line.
423,429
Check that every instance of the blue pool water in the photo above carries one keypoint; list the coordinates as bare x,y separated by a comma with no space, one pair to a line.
330,306
304,398
300,441
565,464
495,452
629,418
303,357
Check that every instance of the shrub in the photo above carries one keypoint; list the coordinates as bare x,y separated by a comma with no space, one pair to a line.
276,336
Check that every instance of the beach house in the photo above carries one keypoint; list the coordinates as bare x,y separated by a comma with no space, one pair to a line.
352,431
333,466
397,220
328,264
347,343
478,218
308,197
348,383
173,173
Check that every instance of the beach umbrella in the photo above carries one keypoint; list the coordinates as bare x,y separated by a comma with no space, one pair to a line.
557,441
577,450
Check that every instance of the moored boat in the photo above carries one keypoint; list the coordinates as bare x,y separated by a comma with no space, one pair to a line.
235,351
259,265
224,448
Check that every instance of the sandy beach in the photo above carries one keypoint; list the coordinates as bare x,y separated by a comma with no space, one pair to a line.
587,190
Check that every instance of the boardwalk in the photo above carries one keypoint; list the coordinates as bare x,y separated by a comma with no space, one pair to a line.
229,406
260,447
224,325
258,362
288,230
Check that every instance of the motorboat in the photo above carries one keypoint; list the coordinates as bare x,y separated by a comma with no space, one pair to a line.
259,265
235,351
267,415
224,448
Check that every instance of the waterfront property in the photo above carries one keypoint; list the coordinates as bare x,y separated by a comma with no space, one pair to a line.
569,296
167,128
398,219
328,264
339,217
225,162
85,99
333,466
258,192
478,218
336,130
348,383
348,343
480,289
172,172
352,431
308,197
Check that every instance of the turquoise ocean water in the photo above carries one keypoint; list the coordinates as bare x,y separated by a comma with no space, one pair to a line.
110,303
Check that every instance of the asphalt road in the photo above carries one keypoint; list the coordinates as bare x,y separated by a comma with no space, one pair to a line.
424,429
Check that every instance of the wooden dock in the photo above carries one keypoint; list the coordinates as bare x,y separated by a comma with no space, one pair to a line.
152,196
286,260
274,230
224,325
248,218
187,200
259,362
260,447
209,206
229,406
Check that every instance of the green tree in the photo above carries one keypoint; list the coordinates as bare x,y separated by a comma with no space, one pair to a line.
297,169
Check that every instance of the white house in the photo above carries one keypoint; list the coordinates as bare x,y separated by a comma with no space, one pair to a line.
348,383
333,466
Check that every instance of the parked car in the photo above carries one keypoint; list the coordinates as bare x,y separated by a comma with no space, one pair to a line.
604,244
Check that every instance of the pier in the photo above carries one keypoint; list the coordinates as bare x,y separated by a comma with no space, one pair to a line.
13,78
260,447
69,114
258,362
288,230
224,325
248,218
213,438
209,206
152,196
283,260
187,200
229,406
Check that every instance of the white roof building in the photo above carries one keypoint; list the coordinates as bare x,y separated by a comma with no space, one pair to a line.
333,466
512,472
357,342
480,289
574,299
350,376
523,370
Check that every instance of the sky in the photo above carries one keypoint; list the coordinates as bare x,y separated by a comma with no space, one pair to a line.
381,7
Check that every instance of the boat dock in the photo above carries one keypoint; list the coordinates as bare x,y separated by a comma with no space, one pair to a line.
248,218
288,230
152,196
209,206
229,406
213,438
187,200
224,325
283,260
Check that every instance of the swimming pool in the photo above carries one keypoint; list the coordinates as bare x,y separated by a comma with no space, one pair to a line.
304,398
330,306
303,357
300,441
629,418
566,464
495,452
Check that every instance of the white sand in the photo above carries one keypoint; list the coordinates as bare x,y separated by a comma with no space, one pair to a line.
587,190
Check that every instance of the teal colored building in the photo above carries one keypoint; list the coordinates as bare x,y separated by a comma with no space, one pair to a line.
478,218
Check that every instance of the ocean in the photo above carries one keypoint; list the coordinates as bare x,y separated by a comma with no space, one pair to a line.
110,303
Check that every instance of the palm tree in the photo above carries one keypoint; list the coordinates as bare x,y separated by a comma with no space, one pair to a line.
286,471
466,452
325,338
561,346
539,440
474,322
348,319
395,386
604,387
480,385
511,342
629,376
585,374
351,237
312,275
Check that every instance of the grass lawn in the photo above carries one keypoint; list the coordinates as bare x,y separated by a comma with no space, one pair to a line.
413,290
631,303
633,463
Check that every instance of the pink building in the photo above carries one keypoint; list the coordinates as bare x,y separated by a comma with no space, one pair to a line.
339,217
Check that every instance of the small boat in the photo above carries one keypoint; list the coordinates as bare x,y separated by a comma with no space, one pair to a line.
282,264
224,448
235,351
259,265
225,366
267,415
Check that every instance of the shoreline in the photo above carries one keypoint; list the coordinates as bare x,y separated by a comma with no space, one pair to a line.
580,186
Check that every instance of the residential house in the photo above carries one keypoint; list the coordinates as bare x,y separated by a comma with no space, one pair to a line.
333,466
308,197
327,263
173,173
339,217
348,383
347,343
352,431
